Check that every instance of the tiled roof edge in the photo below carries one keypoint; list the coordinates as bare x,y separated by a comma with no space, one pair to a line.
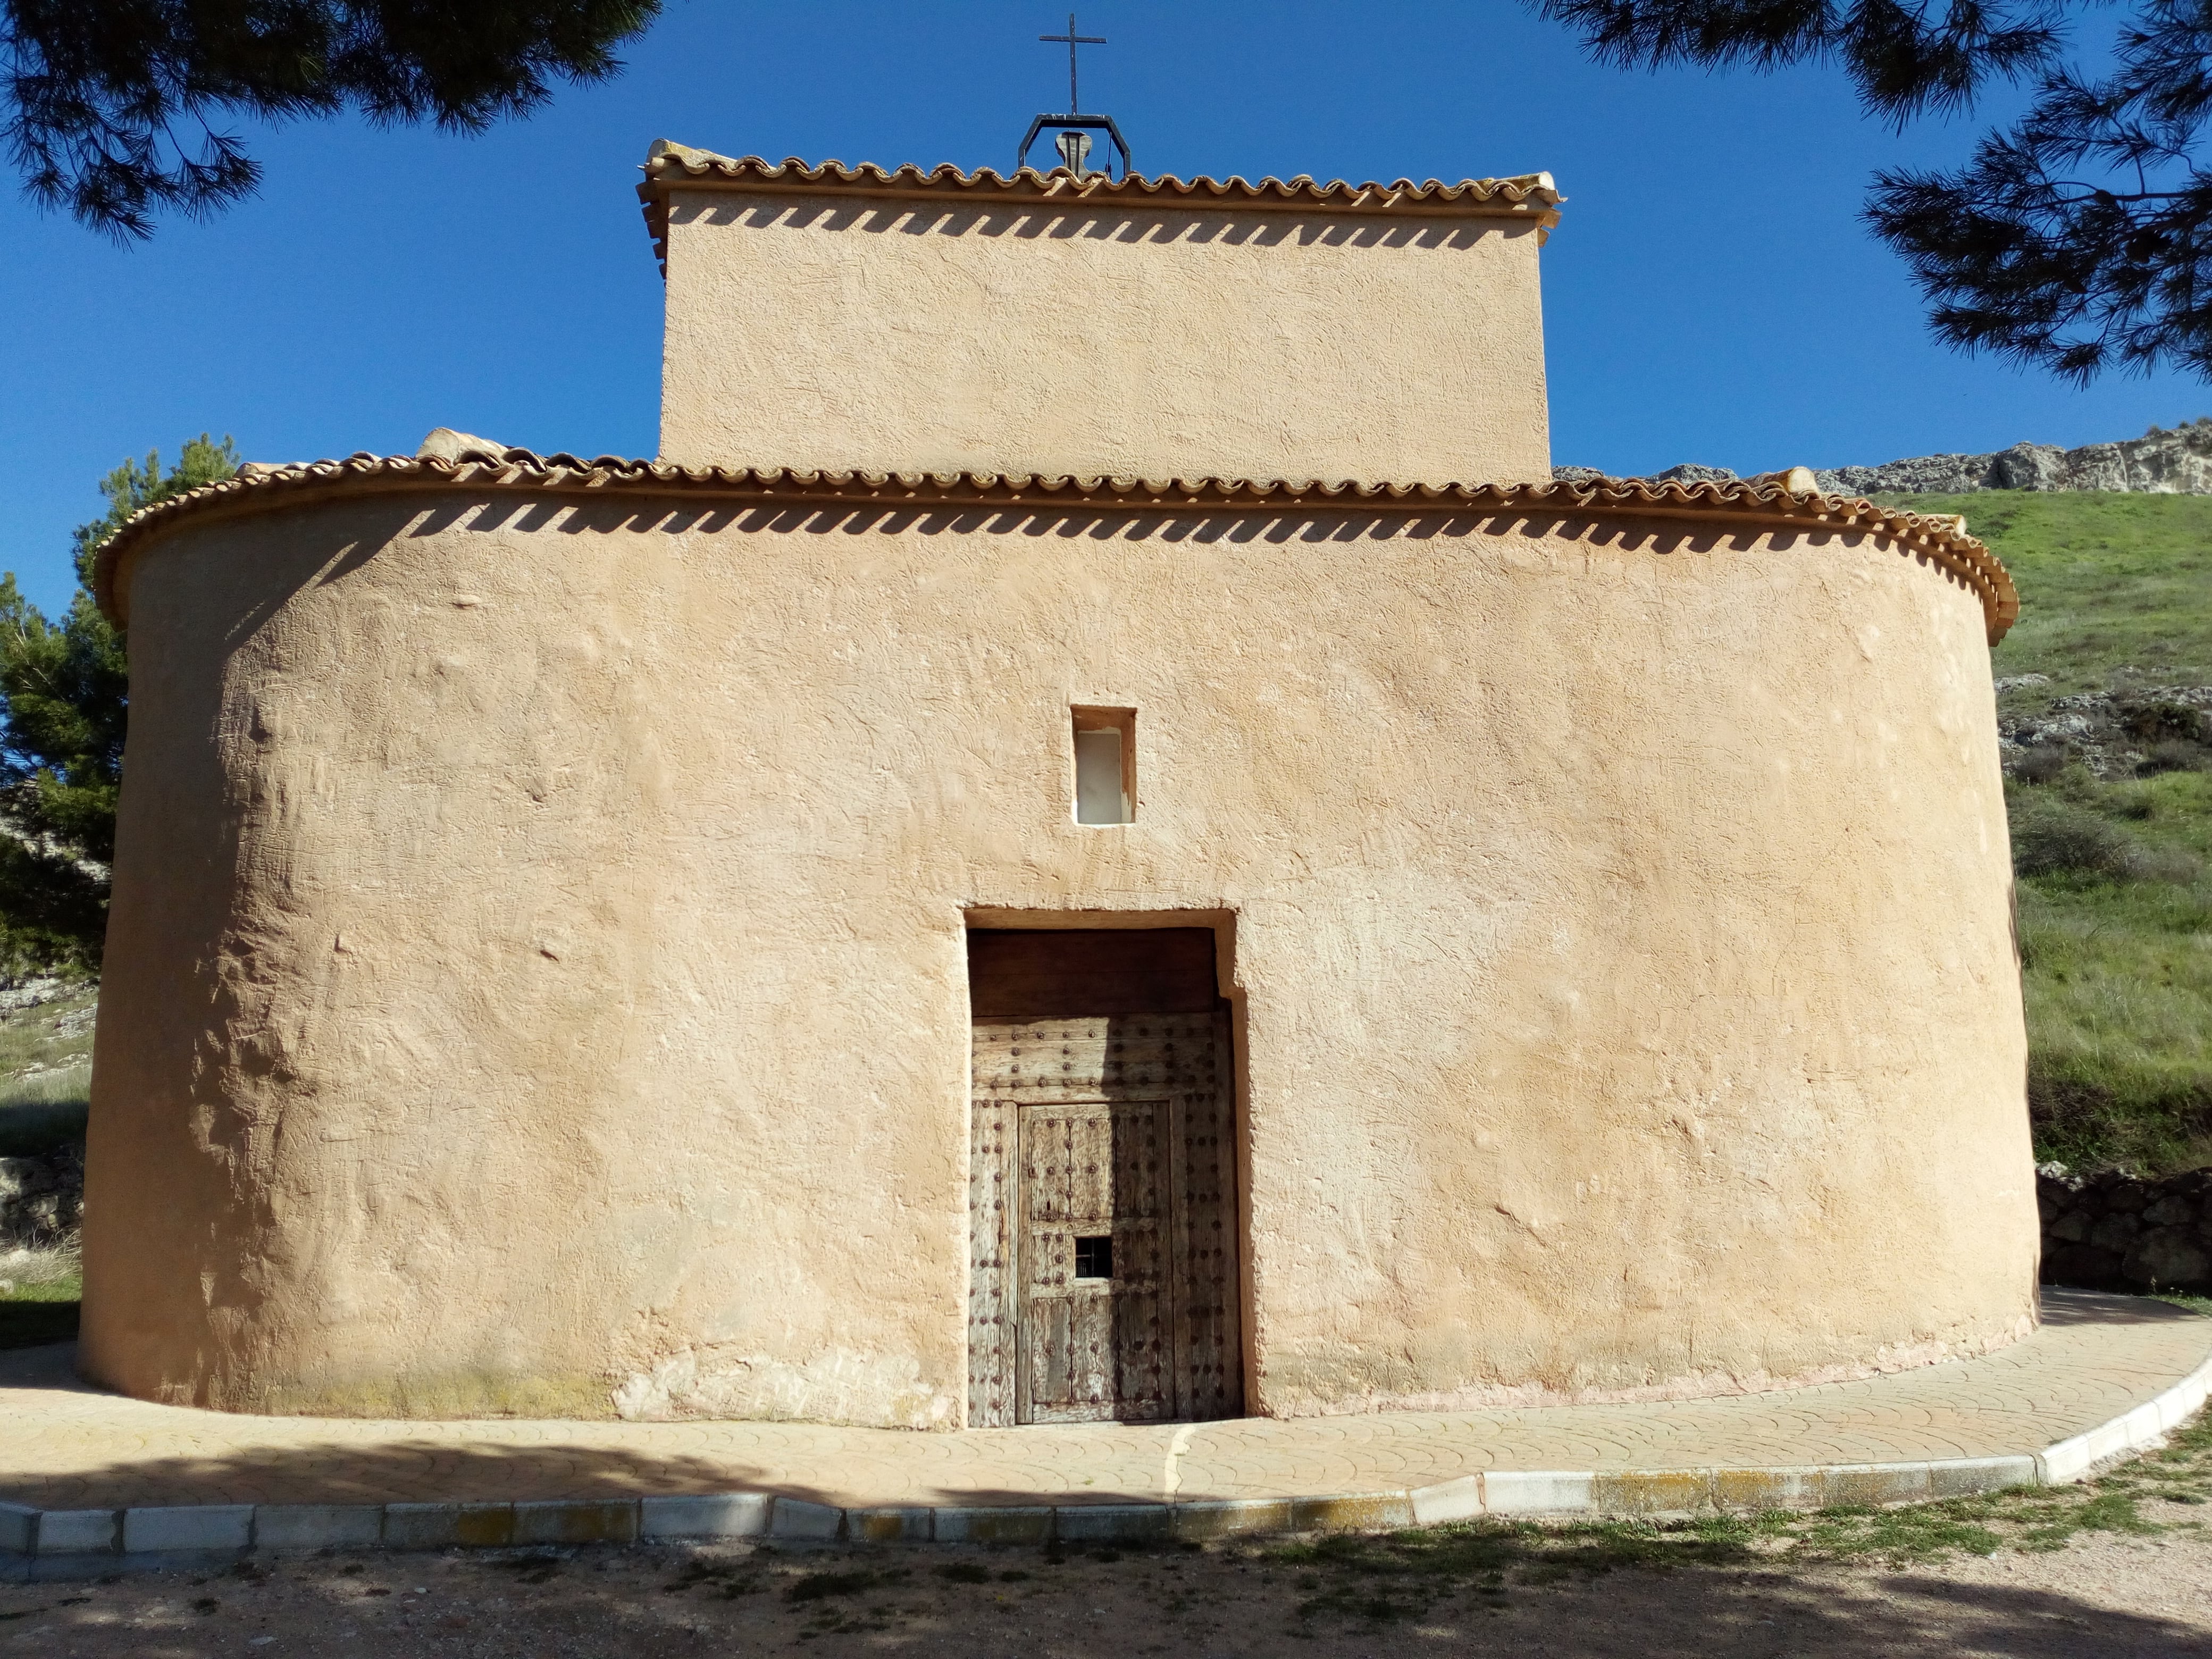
1531,196
1936,537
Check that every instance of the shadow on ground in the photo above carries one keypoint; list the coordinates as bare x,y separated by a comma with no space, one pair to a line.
1221,1603
2064,1306
37,1324
307,1463
425,1470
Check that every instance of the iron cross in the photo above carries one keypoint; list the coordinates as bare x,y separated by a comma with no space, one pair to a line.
1073,41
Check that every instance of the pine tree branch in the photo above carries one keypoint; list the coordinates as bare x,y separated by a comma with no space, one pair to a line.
2023,252
93,89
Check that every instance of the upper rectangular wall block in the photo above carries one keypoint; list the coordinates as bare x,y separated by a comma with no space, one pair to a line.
943,321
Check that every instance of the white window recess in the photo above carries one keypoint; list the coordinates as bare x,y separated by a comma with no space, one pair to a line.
1105,766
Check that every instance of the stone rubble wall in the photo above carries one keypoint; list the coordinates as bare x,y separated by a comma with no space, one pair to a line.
2114,1232
42,1197
2161,463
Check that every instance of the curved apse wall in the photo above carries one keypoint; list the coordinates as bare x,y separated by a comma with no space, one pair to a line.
535,974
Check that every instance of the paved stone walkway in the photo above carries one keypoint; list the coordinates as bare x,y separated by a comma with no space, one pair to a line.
66,1446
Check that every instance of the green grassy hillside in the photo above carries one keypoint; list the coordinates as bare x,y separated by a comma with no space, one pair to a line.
46,1073
2109,787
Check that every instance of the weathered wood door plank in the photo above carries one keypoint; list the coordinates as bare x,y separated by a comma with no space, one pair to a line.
993,1196
1118,1128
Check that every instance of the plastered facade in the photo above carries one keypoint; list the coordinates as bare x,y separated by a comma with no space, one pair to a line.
1106,336
536,974
540,927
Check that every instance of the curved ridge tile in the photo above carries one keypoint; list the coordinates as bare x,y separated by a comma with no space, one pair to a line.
667,157
1531,196
1937,536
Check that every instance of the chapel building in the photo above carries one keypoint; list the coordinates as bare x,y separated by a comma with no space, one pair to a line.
1095,838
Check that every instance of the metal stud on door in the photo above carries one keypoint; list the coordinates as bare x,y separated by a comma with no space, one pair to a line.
1103,1274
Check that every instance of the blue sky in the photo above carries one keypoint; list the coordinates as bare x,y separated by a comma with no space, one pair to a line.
1709,295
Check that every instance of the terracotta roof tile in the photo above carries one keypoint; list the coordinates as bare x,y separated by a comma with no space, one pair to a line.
1530,196
1939,538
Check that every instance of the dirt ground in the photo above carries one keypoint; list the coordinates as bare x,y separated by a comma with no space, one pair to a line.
2099,1594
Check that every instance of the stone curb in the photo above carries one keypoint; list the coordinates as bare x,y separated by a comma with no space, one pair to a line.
2145,1426
74,1543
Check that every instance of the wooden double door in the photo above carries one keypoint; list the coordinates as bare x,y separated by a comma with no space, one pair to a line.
1103,1263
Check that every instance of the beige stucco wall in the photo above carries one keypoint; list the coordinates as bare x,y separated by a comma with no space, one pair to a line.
536,971
840,331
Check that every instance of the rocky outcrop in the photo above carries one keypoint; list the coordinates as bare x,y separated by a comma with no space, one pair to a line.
2133,731
37,991
2159,463
2178,462
42,1197
2114,1232
1687,472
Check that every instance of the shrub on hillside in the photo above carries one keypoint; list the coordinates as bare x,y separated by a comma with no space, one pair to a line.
2040,762
2163,720
2175,755
2175,863
2149,1122
2137,805
2053,837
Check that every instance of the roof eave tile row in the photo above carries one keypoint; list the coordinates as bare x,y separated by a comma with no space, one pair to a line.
1532,197
1937,537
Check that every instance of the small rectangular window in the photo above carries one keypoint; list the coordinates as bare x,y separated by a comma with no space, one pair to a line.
1105,765
1094,1257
